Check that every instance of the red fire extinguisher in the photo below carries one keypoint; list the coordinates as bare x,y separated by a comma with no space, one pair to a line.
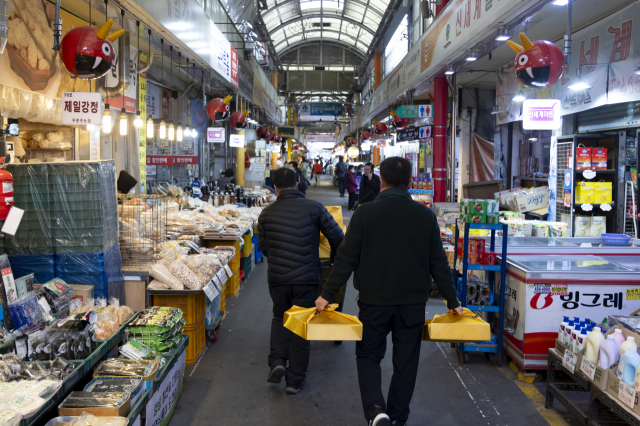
247,161
6,193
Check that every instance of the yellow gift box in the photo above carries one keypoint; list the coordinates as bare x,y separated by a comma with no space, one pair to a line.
585,192
450,327
603,192
325,248
327,325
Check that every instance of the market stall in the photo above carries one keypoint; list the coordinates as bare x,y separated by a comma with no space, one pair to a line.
541,289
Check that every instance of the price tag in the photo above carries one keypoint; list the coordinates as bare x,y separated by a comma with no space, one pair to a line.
251,230
589,174
222,277
587,207
569,361
627,394
211,291
228,271
605,207
619,370
216,280
588,367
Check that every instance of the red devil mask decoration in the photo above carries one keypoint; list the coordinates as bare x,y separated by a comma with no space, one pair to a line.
380,129
87,52
538,64
397,121
218,109
272,136
239,120
278,137
365,135
262,133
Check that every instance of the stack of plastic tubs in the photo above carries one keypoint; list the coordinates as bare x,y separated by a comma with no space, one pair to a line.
71,216
31,249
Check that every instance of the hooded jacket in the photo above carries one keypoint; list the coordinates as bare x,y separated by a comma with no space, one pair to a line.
289,236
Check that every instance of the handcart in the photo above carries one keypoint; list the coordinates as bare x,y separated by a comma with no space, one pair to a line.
326,267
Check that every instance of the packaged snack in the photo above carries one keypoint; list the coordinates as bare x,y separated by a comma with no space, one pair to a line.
9,284
119,367
124,314
598,226
603,192
583,226
585,192
599,158
583,158
58,293
161,273
26,313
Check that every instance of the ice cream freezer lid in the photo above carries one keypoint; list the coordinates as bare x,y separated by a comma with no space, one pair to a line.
530,242
631,262
574,267
597,242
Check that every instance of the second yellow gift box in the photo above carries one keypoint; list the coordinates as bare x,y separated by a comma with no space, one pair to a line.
450,327
327,325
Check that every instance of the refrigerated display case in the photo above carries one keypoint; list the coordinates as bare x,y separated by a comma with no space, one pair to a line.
567,246
541,289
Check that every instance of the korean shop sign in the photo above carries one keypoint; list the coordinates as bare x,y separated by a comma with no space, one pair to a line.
541,114
79,108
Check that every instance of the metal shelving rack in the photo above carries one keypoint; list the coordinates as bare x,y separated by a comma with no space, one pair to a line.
492,350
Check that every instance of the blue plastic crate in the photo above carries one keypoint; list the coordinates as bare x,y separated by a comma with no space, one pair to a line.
615,239
101,270
43,266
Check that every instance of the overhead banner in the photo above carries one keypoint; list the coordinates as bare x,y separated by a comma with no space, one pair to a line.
408,134
224,57
321,109
319,138
603,49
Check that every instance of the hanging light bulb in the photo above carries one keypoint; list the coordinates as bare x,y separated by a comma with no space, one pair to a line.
91,127
179,133
106,119
194,133
124,122
163,129
187,131
138,120
150,127
172,131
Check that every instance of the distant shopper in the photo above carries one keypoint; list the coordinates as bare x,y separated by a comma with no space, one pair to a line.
341,167
370,185
317,170
393,291
301,180
304,167
289,236
359,171
352,187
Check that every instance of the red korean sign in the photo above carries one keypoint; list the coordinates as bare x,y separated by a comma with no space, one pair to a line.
233,72
159,160
185,159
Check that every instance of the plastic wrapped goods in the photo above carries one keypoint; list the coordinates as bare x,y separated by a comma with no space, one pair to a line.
161,273
184,274
26,313
58,294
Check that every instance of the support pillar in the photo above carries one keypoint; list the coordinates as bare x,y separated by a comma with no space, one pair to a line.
239,175
377,69
441,93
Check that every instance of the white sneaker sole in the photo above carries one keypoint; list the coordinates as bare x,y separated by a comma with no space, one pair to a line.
381,420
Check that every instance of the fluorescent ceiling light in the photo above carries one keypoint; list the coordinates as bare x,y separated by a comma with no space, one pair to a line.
560,2
503,36
519,98
496,109
449,70
580,85
472,56
637,71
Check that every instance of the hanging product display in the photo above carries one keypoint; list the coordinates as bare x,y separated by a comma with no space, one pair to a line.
218,108
87,52
538,64
239,120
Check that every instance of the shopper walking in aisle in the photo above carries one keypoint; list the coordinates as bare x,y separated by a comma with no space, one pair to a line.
341,167
317,170
304,168
352,187
393,265
289,236
369,185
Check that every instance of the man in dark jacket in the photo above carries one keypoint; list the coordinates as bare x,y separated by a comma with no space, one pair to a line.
341,168
289,237
369,185
393,265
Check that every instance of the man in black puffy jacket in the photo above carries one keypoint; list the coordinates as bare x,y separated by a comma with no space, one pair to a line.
289,237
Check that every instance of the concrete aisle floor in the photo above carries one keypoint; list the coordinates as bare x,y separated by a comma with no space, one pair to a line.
228,385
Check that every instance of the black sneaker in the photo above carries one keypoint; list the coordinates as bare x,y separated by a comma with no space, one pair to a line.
294,390
379,418
276,375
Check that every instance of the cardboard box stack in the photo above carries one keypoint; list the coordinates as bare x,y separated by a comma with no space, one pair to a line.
479,211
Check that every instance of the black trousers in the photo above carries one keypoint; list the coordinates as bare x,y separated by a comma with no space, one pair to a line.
352,200
405,323
342,184
285,345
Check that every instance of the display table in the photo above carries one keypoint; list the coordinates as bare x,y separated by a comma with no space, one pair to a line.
541,289
557,390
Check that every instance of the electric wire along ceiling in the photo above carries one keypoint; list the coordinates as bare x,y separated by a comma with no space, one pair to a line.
350,23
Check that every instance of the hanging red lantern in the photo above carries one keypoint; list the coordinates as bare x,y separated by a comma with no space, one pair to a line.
380,129
218,109
87,52
262,133
538,64
365,135
239,120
